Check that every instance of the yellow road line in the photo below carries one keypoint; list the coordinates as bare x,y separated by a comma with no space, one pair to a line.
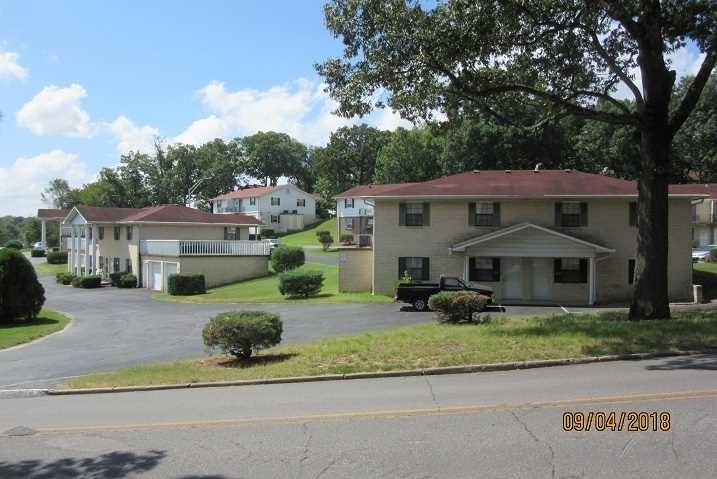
435,411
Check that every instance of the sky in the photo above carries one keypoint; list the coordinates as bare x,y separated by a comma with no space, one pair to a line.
82,82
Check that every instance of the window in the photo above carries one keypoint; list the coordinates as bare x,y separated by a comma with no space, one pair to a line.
129,233
301,202
571,214
349,224
417,268
231,233
102,232
484,213
275,201
348,202
89,232
571,270
484,269
128,265
630,271
275,219
413,214
115,265
117,232
633,213
252,201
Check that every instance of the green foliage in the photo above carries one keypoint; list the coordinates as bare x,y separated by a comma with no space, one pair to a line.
458,306
186,284
242,332
115,278
14,244
347,239
320,233
64,278
37,253
286,258
409,155
57,257
301,283
271,155
21,294
87,282
325,239
128,280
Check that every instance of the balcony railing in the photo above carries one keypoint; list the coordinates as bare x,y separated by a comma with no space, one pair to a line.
204,248
82,241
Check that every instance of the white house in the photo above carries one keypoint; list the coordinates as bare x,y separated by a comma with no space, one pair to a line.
281,208
355,214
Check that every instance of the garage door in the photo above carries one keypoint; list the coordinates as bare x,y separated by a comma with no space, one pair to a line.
169,268
156,275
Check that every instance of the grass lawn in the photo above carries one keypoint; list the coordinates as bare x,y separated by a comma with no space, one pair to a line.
266,290
21,332
331,252
50,269
432,345
307,237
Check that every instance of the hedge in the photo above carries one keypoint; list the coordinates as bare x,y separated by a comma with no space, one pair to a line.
127,280
13,244
347,239
37,253
21,294
286,258
458,306
115,278
301,283
186,284
64,278
57,257
241,332
87,282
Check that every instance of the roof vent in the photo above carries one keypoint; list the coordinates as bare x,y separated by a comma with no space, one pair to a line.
475,172
508,171
537,168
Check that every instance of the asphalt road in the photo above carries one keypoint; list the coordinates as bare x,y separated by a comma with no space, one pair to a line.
502,424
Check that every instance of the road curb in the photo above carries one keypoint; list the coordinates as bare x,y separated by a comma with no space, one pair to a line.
472,368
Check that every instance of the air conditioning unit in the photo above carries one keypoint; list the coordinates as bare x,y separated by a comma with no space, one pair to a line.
363,211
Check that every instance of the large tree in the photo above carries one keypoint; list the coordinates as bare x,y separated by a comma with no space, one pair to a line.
409,155
270,155
471,55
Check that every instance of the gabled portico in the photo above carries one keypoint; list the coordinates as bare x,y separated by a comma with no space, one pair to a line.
529,257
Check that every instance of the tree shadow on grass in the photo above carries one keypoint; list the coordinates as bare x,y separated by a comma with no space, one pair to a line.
261,360
25,323
612,336
107,466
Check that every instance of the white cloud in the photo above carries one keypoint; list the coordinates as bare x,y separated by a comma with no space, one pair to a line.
22,182
389,119
131,137
57,111
9,66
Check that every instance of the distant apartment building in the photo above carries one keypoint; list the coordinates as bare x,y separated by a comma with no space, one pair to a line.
704,212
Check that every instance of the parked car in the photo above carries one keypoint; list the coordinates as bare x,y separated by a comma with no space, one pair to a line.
39,245
702,253
417,294
273,242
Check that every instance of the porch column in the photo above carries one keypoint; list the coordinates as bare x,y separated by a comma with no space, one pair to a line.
86,264
43,231
93,233
78,248
591,281
71,252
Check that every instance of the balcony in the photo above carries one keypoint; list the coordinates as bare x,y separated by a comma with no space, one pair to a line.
83,243
177,248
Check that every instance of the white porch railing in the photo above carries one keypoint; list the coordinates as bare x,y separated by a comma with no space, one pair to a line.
82,241
204,248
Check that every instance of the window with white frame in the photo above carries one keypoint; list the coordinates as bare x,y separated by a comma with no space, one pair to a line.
348,202
115,265
486,213
349,224
571,214
275,201
415,267
571,270
231,233
484,269
252,201
275,219
414,214
300,202
128,265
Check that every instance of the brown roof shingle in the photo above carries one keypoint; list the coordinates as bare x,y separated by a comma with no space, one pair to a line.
51,213
696,188
247,192
162,214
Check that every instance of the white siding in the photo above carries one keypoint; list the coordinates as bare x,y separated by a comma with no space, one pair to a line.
361,208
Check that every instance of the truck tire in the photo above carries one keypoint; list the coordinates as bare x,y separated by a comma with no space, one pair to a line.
419,304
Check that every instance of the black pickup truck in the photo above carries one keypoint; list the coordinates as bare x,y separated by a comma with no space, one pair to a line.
417,294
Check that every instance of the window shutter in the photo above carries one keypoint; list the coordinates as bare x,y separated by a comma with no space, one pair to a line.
583,270
496,269
558,210
471,269
402,214
630,271
426,269
426,214
557,270
471,214
401,267
496,214
583,214
633,213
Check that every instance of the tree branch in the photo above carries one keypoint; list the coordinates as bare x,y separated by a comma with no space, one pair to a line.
689,101
616,69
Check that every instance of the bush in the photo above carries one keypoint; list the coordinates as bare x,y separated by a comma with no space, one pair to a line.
21,294
115,278
286,258
186,284
454,307
268,233
57,257
64,278
301,283
325,239
347,239
242,332
127,280
13,244
37,253
321,233
87,282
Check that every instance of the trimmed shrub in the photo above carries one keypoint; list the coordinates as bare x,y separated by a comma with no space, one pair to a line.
64,278
286,258
37,253
301,283
325,239
268,233
75,282
21,294
320,233
347,239
457,306
13,244
87,282
127,280
242,332
57,257
115,278
186,284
